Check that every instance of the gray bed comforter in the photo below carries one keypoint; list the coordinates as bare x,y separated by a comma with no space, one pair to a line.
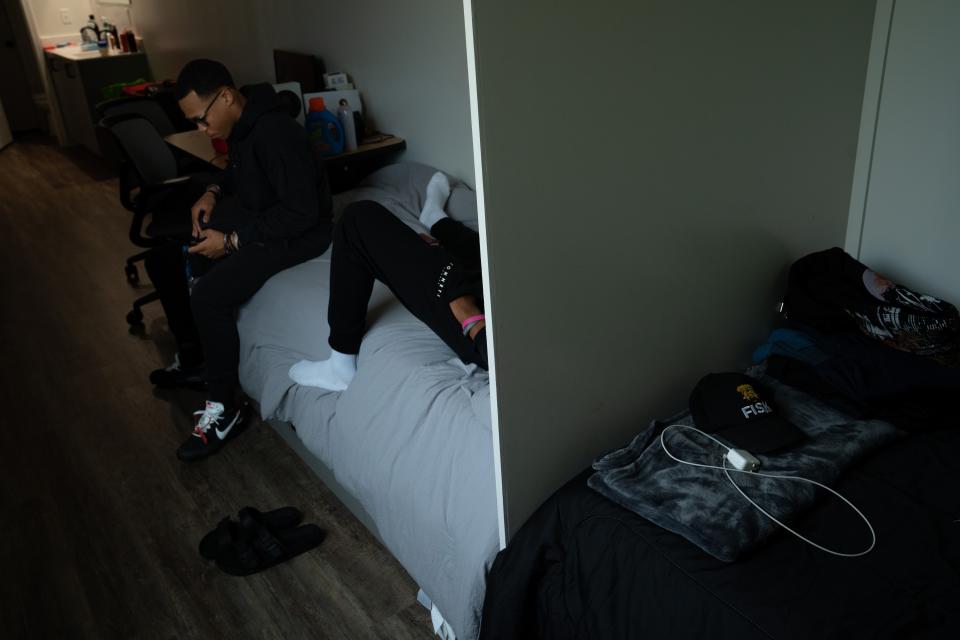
410,438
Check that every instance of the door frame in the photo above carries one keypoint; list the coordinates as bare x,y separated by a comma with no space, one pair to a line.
470,33
36,44
21,94
872,95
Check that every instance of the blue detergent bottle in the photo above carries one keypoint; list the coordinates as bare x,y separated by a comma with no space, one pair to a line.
324,129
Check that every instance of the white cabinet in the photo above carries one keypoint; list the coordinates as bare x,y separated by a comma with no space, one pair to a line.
78,80
77,122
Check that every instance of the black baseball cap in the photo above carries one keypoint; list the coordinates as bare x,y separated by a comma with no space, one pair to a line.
734,407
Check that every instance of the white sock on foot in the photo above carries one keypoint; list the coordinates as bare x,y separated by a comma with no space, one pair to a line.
438,191
334,373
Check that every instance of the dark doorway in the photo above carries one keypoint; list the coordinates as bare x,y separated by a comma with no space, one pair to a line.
15,90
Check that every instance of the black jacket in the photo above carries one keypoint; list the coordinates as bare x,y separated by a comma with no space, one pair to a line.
274,187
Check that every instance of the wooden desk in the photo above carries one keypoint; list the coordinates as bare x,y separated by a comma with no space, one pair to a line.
344,169
373,145
347,169
197,144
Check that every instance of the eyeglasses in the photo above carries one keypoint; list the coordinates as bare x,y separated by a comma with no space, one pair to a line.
202,120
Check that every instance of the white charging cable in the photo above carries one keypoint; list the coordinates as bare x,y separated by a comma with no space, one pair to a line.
749,464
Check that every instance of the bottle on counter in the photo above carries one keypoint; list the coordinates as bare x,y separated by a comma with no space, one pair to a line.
90,32
324,129
109,33
345,116
128,41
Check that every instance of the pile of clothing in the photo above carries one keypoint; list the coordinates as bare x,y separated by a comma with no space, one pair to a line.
869,347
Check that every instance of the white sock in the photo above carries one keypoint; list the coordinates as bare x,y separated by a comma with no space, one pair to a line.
334,373
438,191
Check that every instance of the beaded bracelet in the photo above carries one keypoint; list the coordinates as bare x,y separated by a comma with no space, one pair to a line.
470,323
471,320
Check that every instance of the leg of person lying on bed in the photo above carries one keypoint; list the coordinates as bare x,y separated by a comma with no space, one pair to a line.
370,244
462,242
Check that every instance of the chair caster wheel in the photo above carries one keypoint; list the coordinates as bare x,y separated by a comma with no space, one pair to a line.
133,276
135,318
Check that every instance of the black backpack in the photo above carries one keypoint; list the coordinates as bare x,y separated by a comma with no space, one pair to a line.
832,292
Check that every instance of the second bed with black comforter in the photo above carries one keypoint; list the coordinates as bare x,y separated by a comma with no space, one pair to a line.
584,567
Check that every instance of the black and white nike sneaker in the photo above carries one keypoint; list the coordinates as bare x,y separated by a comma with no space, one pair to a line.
215,425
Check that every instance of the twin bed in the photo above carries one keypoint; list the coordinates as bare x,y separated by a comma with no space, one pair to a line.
410,440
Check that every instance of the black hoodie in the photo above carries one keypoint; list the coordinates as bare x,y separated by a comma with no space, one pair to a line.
274,187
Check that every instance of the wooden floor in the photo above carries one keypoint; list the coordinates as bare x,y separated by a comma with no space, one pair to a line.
99,522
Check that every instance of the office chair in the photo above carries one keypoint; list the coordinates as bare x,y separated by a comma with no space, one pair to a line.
158,116
139,105
147,165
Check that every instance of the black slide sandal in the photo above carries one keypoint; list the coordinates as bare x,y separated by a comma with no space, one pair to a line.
228,532
267,549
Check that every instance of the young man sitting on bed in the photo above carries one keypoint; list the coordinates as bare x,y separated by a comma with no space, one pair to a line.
270,210
437,278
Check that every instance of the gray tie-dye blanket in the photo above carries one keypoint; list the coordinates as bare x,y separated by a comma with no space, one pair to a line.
702,506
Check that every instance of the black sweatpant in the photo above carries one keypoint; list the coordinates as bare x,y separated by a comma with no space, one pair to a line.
165,267
217,295
370,243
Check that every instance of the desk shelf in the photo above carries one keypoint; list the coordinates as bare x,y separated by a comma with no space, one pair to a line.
344,170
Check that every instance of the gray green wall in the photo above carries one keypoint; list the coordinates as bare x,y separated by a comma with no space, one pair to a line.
408,59
650,169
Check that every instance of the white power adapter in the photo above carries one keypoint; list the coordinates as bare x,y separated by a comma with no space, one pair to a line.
742,460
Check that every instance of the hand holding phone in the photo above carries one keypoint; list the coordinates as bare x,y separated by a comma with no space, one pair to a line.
201,211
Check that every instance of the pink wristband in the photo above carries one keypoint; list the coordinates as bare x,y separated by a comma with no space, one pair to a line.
463,325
